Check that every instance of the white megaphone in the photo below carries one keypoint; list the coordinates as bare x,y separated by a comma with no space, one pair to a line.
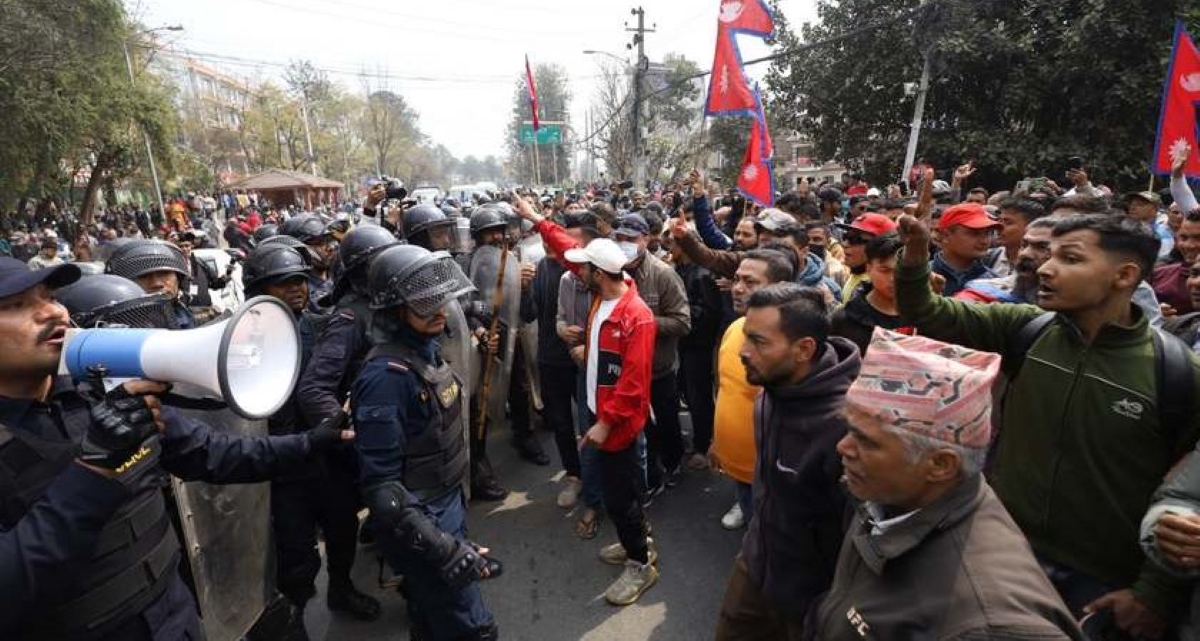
251,361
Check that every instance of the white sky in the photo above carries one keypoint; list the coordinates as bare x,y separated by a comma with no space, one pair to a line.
456,62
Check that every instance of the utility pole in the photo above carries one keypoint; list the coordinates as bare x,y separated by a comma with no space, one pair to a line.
914,135
145,134
643,64
312,159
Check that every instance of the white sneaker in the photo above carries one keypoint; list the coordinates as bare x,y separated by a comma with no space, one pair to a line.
734,519
569,495
615,554
634,580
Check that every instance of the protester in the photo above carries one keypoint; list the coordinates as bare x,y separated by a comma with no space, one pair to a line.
918,433
786,557
1088,548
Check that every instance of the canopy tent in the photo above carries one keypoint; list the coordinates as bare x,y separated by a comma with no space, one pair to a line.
282,188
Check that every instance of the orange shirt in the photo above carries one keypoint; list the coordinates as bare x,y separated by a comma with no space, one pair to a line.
733,423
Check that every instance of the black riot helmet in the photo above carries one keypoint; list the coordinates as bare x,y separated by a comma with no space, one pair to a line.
280,240
361,243
140,257
265,231
415,277
486,218
422,218
271,264
108,300
304,227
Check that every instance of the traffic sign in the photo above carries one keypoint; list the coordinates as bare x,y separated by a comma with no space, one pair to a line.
546,134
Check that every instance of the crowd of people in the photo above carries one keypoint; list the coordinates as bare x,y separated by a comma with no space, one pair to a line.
945,414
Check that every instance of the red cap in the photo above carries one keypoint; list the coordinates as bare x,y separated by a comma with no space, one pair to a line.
971,215
876,224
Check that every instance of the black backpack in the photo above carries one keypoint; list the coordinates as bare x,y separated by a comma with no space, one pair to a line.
1174,378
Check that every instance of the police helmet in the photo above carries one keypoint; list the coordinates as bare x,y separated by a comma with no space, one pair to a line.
361,243
265,231
422,218
108,300
271,264
140,257
304,227
415,277
486,218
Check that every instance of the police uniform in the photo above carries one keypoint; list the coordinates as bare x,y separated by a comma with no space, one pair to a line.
323,496
408,412
128,585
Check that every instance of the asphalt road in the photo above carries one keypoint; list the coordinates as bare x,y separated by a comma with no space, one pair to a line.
553,584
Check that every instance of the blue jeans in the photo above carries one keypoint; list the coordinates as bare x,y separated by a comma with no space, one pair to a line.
589,458
745,498
437,611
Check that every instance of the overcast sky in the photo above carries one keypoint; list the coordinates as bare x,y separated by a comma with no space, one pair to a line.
455,61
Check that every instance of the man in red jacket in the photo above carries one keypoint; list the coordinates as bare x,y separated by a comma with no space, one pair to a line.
618,361
619,355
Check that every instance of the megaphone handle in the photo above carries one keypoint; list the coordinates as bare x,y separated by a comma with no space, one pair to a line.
111,384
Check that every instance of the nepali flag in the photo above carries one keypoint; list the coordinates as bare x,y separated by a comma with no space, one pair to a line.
757,178
728,91
1177,123
531,88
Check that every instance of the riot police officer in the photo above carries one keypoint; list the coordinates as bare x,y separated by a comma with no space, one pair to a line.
337,354
324,496
490,229
124,583
428,226
409,410
159,266
313,232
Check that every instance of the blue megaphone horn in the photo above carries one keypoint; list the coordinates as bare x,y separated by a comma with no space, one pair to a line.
250,361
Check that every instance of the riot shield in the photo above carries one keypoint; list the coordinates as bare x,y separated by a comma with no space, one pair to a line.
531,251
458,350
486,273
227,532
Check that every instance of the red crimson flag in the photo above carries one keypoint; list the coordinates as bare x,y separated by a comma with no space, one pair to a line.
728,91
1177,123
746,16
531,87
757,178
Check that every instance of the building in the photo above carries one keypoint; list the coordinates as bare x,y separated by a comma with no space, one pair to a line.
794,160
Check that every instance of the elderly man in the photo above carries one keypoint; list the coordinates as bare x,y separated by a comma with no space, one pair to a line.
932,553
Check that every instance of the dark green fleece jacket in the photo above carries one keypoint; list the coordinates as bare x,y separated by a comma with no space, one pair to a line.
1081,449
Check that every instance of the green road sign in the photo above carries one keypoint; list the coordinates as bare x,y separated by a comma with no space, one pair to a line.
546,134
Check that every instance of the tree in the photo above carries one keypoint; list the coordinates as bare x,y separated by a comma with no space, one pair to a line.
390,130
67,100
675,118
613,136
554,99
1018,86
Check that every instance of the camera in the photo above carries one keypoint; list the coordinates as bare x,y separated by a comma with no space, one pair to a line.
395,188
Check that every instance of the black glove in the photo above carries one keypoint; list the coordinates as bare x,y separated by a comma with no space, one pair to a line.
328,432
404,526
121,424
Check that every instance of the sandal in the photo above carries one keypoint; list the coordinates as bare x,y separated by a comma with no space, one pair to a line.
586,528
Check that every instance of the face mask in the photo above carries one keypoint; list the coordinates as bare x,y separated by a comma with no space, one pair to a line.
630,249
817,250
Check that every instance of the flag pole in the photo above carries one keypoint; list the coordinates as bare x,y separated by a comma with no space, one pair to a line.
1150,188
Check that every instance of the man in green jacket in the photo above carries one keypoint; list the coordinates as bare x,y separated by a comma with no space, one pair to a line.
1080,447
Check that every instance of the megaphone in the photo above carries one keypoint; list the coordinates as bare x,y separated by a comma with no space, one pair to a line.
251,360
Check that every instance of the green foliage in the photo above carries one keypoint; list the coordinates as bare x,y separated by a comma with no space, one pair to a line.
1018,85
67,99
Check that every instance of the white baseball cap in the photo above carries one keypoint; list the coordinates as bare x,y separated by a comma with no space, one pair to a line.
602,253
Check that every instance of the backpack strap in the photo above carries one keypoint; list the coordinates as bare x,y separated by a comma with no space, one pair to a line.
1014,357
1175,387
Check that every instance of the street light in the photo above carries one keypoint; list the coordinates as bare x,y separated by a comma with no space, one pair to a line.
594,52
145,134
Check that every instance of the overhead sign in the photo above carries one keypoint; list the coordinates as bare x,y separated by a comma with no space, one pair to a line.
547,134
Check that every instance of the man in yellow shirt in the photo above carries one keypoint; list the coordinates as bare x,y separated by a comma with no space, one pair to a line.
733,450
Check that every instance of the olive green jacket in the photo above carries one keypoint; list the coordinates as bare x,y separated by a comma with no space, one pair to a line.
1080,449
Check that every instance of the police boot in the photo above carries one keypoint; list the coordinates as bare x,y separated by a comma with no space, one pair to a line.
483,483
349,600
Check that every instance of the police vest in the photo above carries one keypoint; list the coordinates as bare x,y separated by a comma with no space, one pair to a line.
436,460
358,308
133,562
